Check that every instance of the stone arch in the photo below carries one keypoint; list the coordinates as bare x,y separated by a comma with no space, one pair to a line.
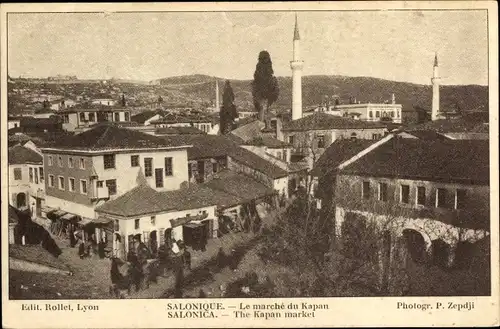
418,244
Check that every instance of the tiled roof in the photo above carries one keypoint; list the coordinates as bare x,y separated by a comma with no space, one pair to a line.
240,186
40,122
461,161
227,190
104,137
268,141
179,131
338,152
143,116
36,254
323,121
468,123
426,134
249,131
214,146
22,155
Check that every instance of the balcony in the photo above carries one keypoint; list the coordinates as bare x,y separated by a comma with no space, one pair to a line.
101,193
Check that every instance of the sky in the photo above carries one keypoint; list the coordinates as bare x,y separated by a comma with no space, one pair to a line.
393,45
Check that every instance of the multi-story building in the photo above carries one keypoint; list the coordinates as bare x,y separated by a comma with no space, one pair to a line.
83,119
311,135
26,179
89,168
205,124
430,198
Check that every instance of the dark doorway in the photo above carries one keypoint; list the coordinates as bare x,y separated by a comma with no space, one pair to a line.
440,252
415,245
153,243
38,207
21,200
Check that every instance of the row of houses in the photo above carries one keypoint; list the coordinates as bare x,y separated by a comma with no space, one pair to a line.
175,183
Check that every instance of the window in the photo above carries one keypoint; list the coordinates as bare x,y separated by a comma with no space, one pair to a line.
41,174
405,193
215,167
421,195
117,117
109,161
134,161
59,161
278,154
31,175
92,117
285,155
137,224
111,185
127,116
441,198
148,167
377,114
82,163
18,174
159,177
82,116
71,186
366,190
117,225
66,118
100,183
274,124
392,114
50,160
61,183
460,199
153,220
397,114
70,162
321,141
51,181
382,191
370,114
169,170
83,186
36,175
354,136
290,140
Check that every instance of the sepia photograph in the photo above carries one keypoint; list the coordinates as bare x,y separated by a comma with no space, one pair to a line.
218,154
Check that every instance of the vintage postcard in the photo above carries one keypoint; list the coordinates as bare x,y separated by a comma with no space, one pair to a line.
326,164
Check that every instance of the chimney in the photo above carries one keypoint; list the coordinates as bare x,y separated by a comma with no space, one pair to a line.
393,98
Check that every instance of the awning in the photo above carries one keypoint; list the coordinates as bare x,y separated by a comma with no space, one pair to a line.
68,216
47,209
59,213
102,220
84,221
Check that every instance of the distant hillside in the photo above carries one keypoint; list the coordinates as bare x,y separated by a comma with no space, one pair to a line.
314,88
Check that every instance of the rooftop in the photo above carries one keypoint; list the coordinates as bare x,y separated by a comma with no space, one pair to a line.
338,152
323,121
268,141
227,190
179,131
214,146
454,161
22,155
106,137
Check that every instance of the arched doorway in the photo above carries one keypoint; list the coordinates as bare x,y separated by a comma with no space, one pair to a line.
440,252
416,245
21,200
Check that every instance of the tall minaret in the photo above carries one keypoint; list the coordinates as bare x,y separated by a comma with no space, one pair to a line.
296,66
217,104
435,90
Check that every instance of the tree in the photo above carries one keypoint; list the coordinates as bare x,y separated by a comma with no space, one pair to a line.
265,90
228,111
